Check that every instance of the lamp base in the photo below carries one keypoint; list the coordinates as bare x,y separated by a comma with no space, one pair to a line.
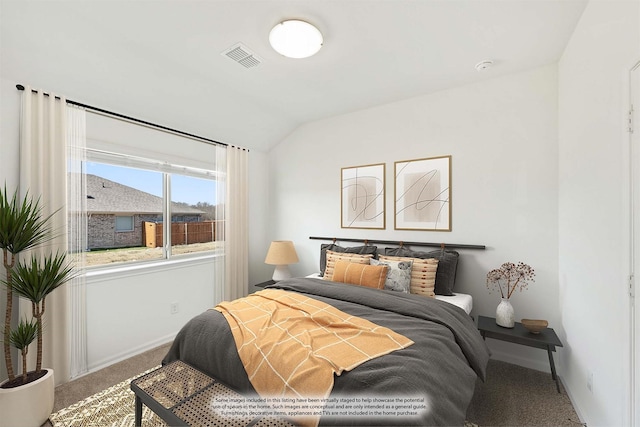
281,272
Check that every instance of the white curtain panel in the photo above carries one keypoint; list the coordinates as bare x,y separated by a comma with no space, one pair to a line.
236,224
43,130
219,275
77,235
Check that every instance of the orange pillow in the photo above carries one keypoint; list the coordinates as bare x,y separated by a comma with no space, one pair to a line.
371,276
332,257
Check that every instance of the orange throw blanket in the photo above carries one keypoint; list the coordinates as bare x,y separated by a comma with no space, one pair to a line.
291,345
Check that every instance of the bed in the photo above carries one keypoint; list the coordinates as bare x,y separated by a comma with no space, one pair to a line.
464,301
438,370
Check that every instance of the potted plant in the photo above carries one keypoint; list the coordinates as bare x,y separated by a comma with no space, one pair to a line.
27,399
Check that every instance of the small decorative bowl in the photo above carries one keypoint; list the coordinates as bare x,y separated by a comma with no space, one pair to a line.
534,325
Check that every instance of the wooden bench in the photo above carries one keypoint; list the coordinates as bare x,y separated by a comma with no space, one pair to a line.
183,396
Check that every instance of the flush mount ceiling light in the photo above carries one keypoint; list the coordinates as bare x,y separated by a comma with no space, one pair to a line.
295,39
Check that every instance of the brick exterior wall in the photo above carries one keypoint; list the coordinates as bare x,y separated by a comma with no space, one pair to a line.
103,234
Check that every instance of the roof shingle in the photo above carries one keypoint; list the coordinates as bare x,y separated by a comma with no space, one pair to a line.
106,196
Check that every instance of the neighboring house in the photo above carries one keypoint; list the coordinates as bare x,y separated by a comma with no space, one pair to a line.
116,213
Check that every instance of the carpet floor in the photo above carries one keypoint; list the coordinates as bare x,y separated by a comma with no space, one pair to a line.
511,396
113,406
517,396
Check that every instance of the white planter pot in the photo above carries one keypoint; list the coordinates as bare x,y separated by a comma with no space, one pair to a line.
504,314
27,405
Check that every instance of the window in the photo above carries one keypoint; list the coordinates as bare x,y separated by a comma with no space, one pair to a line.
124,223
193,214
135,205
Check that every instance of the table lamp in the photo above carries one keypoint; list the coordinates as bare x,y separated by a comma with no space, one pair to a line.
281,253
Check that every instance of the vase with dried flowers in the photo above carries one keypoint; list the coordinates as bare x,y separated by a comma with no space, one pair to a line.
507,279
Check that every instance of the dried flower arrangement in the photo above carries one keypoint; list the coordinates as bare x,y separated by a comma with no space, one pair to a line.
509,277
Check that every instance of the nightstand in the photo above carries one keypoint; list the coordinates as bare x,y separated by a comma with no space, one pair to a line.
263,284
546,339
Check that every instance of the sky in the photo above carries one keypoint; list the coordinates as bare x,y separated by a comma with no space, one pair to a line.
185,189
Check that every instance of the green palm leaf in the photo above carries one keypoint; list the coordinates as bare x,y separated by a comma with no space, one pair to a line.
22,225
22,336
36,278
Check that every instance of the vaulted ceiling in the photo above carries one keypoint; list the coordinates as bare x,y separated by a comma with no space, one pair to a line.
162,61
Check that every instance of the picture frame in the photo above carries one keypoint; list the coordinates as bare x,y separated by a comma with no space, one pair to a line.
422,194
362,201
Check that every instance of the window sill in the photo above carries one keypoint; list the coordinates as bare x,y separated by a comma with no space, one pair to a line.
107,272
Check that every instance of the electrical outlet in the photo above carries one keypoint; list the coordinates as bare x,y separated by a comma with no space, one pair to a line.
174,307
590,381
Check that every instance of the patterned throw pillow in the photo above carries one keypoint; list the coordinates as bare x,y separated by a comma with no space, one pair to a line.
447,266
332,257
423,274
398,276
362,250
371,276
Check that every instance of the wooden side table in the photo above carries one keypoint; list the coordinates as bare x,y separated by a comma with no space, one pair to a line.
546,339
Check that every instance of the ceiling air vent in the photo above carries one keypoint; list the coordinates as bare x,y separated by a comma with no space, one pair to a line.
242,55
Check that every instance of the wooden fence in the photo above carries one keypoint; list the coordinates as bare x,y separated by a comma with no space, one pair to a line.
182,233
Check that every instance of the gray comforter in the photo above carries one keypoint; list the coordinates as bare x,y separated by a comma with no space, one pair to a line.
442,365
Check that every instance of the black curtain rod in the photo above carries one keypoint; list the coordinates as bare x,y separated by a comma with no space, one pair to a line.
401,243
133,119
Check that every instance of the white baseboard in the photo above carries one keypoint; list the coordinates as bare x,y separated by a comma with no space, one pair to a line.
108,361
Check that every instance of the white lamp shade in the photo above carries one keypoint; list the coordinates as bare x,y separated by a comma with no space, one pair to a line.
295,39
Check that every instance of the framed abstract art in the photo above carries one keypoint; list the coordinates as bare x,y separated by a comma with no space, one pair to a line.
423,194
363,196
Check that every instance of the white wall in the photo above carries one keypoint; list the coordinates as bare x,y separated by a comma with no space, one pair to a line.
130,312
502,135
260,228
593,209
